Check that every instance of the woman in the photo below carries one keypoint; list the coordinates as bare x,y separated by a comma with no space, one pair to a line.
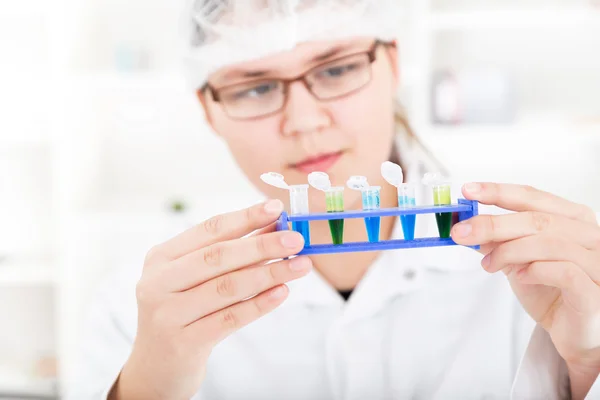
297,87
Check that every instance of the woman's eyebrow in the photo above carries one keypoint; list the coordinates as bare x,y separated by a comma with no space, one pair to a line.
239,73
328,54
324,56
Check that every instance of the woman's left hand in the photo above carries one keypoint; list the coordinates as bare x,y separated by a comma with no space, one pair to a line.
550,251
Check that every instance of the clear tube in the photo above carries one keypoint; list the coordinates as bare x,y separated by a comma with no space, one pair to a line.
406,199
371,198
442,196
371,201
299,206
299,200
334,199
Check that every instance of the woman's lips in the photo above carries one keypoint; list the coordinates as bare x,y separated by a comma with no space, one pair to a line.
320,163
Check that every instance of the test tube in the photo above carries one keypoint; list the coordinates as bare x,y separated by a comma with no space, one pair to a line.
406,199
299,206
334,199
442,197
370,201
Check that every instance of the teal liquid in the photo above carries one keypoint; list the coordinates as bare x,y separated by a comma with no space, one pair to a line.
303,228
372,224
408,226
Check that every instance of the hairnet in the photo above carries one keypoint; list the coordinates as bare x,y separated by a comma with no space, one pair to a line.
218,33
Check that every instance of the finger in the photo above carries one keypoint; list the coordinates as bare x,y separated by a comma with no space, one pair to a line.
526,198
484,229
542,248
235,287
217,229
582,294
263,231
512,268
216,327
487,248
268,229
218,259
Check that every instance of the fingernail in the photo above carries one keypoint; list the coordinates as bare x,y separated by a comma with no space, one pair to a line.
485,263
463,229
274,207
473,188
277,293
299,264
292,240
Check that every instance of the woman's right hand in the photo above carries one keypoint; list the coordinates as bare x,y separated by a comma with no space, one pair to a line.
198,288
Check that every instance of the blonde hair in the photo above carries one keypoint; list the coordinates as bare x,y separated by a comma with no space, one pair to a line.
403,127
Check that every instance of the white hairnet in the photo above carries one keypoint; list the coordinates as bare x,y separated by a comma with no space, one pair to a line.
218,33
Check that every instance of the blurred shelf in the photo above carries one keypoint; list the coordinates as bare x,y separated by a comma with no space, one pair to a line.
24,8
30,140
533,126
134,79
27,274
17,387
25,144
509,19
461,139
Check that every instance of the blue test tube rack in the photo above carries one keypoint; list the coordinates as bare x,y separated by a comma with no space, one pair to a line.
466,209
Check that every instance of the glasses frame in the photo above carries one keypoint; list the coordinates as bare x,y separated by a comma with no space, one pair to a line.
286,82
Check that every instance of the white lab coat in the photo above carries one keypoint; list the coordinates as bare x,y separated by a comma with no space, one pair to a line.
422,324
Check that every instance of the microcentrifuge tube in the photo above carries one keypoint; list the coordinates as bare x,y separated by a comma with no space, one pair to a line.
299,206
334,201
334,198
392,173
406,199
441,197
371,200
298,202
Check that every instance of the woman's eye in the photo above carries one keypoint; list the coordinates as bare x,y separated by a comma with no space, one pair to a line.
256,91
338,71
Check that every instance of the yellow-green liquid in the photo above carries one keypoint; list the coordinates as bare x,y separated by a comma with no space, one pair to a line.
442,197
335,203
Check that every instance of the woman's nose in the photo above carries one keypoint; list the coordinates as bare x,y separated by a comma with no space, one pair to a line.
303,113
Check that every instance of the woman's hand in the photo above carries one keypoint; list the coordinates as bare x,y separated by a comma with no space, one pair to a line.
550,251
200,287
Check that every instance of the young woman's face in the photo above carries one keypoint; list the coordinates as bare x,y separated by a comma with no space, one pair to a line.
343,125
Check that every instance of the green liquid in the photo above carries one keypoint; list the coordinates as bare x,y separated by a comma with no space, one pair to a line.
335,203
336,226
444,223
442,196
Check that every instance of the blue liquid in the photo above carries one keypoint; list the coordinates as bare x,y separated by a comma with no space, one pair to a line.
408,226
370,201
408,221
372,224
302,227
